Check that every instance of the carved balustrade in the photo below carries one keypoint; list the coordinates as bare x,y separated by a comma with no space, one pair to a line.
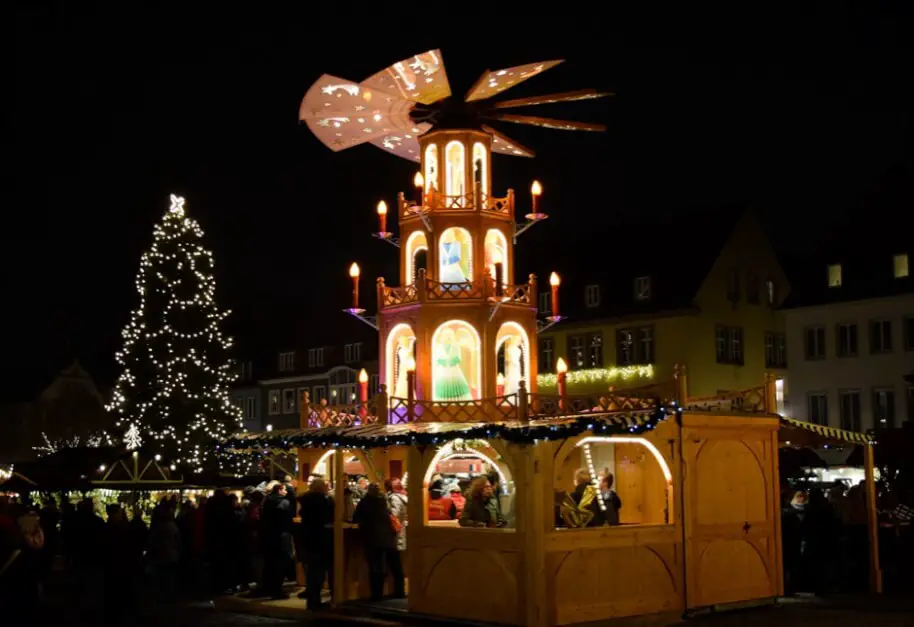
752,400
425,289
435,201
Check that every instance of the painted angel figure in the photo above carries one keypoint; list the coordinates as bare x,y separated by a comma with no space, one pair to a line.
404,351
450,383
513,373
451,272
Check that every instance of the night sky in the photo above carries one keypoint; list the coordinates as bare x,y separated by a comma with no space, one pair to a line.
800,115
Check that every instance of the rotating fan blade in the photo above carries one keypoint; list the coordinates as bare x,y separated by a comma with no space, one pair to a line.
420,78
503,144
535,120
494,82
342,114
568,96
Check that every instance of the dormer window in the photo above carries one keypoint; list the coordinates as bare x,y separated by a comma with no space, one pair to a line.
315,357
643,288
592,296
287,361
834,275
900,264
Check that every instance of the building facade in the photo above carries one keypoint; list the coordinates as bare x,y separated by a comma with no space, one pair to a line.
851,343
270,392
712,310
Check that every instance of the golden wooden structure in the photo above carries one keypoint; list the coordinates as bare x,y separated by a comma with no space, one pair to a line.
701,514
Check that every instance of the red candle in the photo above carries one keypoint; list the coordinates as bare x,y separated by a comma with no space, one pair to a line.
354,273
419,182
555,281
561,370
535,190
382,216
363,392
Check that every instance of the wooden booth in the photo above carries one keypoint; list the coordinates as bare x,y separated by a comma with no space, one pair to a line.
457,343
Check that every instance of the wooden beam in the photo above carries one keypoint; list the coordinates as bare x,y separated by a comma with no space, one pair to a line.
872,521
339,515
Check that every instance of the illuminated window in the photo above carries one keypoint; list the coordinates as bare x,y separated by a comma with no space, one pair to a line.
834,275
455,256
455,175
512,353
496,249
480,169
400,348
635,346
431,167
456,362
779,396
900,263
416,255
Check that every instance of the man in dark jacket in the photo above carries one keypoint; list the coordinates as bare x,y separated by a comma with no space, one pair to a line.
316,540
276,537
378,537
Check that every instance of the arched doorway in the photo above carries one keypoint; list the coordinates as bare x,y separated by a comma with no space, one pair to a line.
512,351
401,345
455,256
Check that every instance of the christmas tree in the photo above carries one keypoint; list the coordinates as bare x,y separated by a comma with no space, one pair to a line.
173,393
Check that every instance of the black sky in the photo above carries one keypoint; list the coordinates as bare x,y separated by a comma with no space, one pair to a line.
800,114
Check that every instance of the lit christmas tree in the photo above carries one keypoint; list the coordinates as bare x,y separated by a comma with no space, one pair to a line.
173,392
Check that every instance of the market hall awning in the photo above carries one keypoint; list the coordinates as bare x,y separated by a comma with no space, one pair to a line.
795,432
423,433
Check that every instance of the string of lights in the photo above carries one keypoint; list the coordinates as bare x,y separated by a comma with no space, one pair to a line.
173,391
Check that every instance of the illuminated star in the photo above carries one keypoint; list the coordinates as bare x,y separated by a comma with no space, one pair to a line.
177,204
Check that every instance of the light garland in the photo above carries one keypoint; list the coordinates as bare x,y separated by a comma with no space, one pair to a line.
593,476
598,375
92,440
174,387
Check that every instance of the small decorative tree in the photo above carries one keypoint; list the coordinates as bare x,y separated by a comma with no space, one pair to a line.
173,392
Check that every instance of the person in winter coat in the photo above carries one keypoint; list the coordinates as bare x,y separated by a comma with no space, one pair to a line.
611,501
440,507
481,509
378,537
585,498
316,540
397,503
458,499
276,537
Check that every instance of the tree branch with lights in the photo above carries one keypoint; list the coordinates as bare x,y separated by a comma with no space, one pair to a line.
173,392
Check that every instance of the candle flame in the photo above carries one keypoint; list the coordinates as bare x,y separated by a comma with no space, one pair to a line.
363,376
382,208
560,366
536,189
500,379
354,270
496,256
410,365
554,280
418,180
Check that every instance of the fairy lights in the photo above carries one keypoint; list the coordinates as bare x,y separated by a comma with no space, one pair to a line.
598,375
173,391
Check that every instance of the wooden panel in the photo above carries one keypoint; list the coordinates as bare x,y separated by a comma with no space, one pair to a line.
731,510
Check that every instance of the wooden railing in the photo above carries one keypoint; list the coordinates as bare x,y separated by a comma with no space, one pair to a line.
495,409
425,289
473,201
750,400
393,296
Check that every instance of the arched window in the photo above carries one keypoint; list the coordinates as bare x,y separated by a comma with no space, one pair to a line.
456,362
455,256
480,169
416,252
512,350
455,174
496,248
632,467
431,167
401,345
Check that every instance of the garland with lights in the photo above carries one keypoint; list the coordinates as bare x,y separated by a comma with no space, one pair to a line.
597,375
173,392
518,433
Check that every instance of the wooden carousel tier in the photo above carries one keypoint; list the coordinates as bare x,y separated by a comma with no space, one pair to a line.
375,435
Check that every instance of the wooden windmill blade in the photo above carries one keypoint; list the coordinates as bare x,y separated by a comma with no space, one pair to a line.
535,120
419,78
493,82
503,144
568,96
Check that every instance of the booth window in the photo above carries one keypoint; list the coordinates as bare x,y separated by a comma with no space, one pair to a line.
611,481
